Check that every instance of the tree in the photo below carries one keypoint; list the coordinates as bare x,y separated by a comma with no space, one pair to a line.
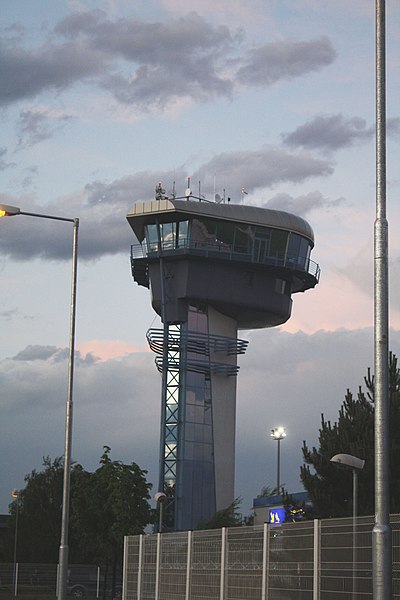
110,503
330,488
104,506
39,518
227,517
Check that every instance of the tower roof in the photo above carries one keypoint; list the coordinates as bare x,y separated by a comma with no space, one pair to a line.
143,213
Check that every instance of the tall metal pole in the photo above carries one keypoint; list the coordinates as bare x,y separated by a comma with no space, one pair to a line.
381,534
63,552
15,494
355,548
278,467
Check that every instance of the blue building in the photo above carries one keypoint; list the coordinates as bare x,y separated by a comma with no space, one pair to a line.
212,268
271,509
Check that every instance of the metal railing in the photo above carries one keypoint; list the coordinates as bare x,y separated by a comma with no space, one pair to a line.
311,560
226,252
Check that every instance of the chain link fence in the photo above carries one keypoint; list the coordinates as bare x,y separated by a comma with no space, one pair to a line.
313,560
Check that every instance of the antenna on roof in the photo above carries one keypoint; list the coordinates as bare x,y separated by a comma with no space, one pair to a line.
188,191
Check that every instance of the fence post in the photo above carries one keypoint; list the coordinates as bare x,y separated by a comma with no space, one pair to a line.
125,568
16,579
223,559
158,561
317,560
139,568
188,565
265,563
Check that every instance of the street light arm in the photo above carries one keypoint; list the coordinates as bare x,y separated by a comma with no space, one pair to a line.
7,210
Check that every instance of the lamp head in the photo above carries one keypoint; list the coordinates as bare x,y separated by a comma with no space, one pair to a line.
160,497
6,210
349,461
278,433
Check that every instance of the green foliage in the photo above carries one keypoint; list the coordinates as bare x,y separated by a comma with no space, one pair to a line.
104,506
110,503
329,487
227,517
268,491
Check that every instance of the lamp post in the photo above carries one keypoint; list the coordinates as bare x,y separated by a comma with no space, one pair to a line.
15,495
278,434
160,498
10,211
356,465
382,532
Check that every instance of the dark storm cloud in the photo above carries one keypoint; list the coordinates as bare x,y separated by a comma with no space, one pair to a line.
36,126
330,133
150,64
285,60
302,205
102,207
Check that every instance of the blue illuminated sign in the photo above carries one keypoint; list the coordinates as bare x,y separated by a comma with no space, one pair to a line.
276,516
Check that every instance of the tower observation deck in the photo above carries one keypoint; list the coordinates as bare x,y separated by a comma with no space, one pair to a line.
212,268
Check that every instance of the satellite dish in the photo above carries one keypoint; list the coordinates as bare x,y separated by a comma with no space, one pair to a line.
188,192
217,198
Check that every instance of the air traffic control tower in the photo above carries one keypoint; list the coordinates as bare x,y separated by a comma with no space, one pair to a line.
212,268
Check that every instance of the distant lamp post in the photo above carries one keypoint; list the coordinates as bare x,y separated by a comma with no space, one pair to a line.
11,211
278,434
15,495
160,498
356,465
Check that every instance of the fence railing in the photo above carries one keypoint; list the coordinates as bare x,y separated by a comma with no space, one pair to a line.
40,581
312,560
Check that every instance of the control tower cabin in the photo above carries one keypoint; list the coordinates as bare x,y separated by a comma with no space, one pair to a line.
212,268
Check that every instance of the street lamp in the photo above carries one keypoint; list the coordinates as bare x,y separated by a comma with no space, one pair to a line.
278,434
160,498
356,465
11,211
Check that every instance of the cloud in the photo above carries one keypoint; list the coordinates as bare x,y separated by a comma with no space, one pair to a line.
285,60
116,402
260,168
287,379
35,126
302,205
151,64
329,133
102,207
3,163
333,132
27,73
393,127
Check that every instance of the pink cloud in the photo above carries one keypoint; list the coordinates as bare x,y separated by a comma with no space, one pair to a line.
108,349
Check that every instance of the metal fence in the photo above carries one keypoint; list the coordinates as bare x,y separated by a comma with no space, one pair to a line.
40,580
313,560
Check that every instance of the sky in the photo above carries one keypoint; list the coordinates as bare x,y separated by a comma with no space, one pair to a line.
101,100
